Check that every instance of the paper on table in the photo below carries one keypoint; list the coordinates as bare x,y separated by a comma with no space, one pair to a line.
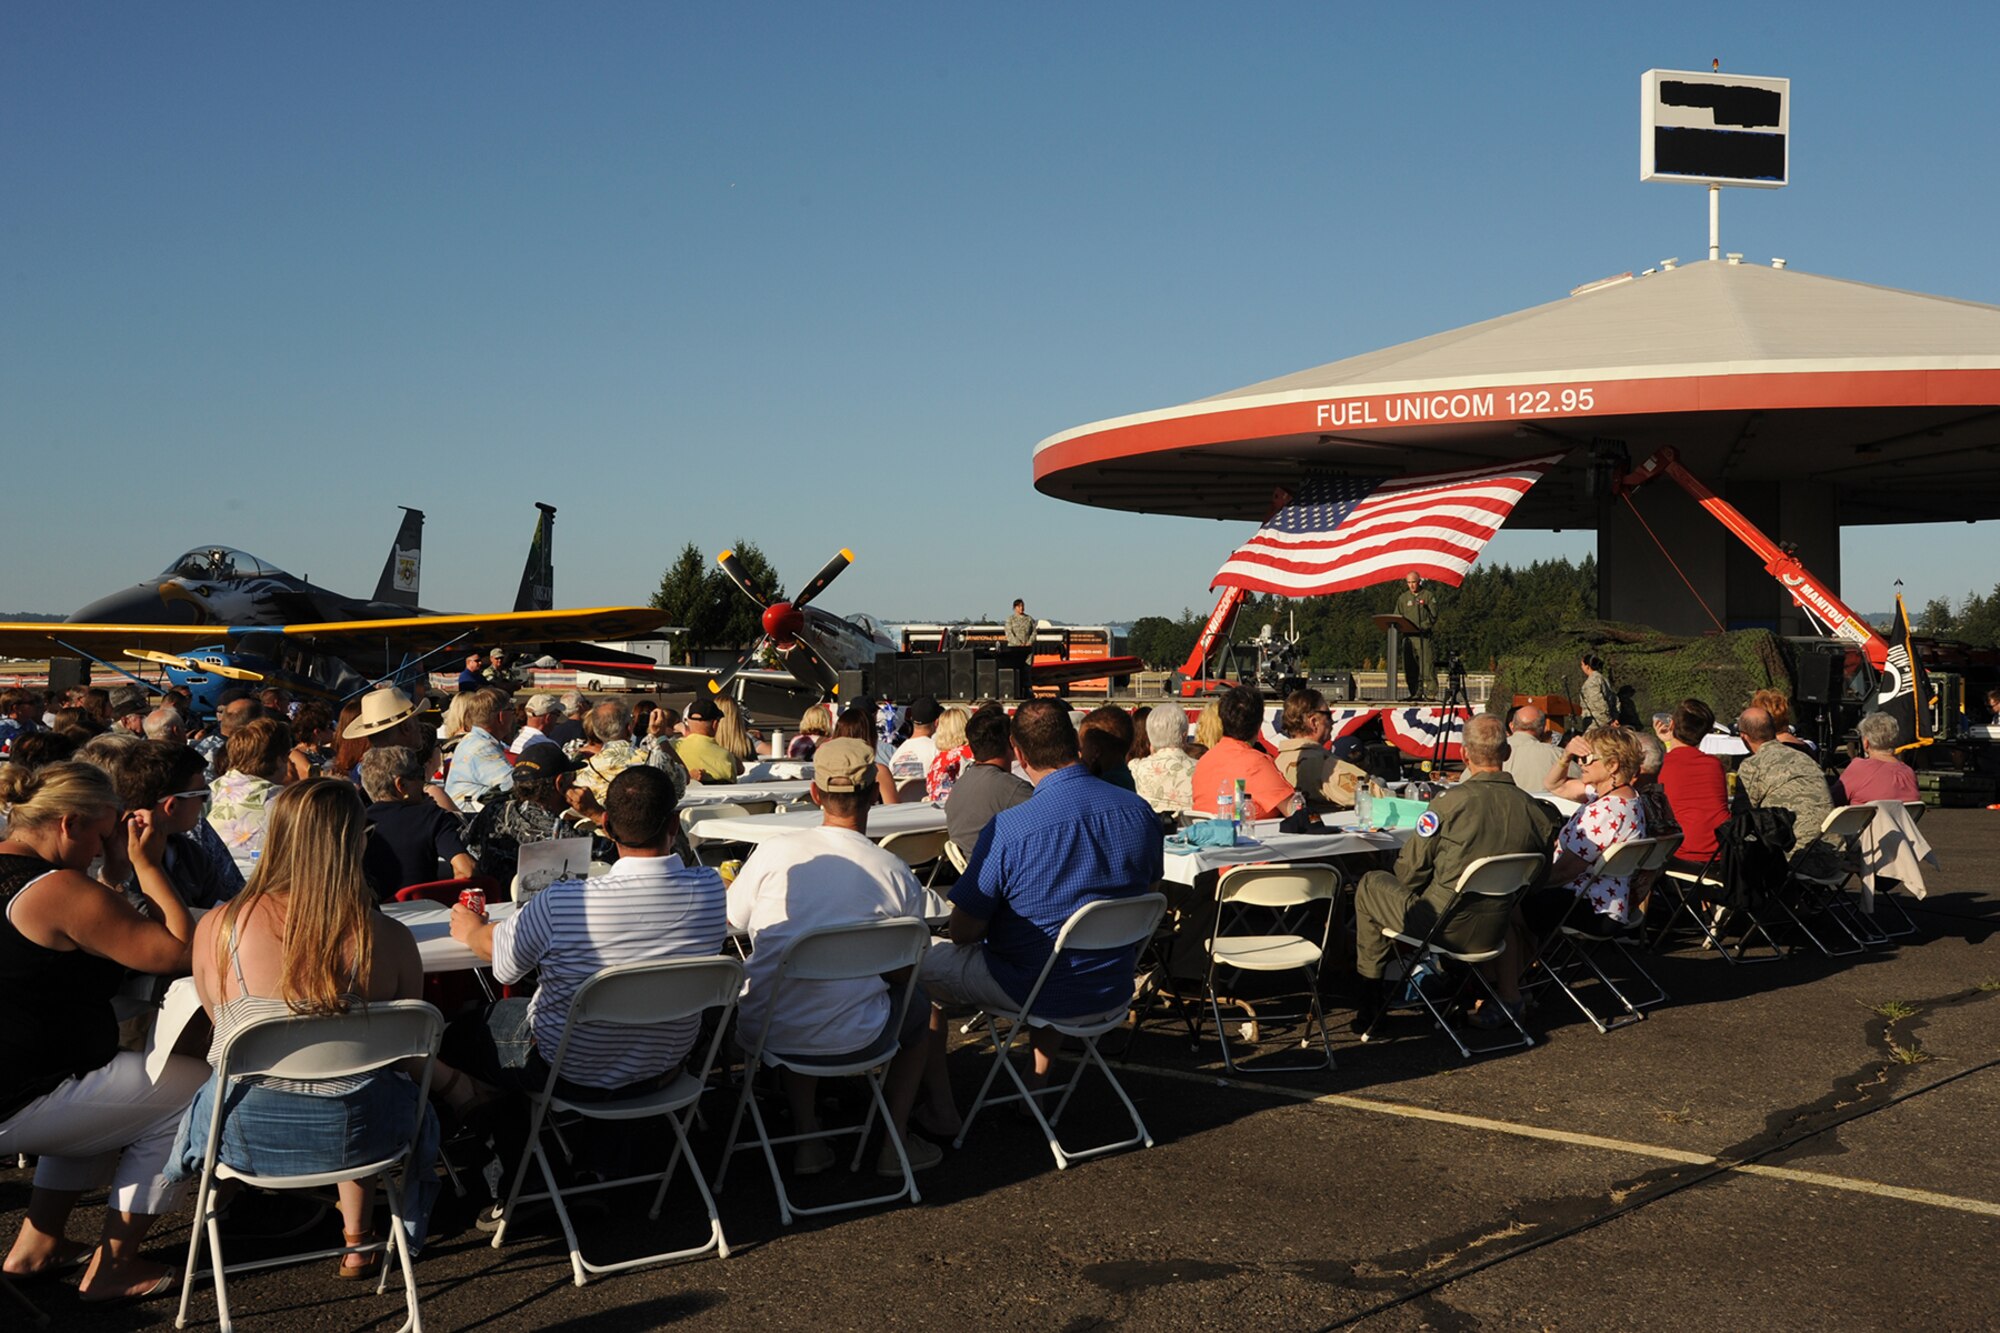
543,863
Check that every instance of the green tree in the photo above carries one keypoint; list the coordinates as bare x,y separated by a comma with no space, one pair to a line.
696,594
686,594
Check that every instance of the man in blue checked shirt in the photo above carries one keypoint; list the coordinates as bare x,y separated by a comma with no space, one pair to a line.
1077,839
481,767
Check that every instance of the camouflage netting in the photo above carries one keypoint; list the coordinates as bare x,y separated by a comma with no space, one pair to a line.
1722,670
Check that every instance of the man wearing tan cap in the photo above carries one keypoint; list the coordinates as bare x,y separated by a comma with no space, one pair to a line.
827,876
539,714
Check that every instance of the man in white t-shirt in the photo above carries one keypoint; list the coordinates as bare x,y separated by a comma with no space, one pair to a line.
912,758
828,876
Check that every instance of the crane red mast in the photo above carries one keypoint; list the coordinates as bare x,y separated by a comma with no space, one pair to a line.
1811,595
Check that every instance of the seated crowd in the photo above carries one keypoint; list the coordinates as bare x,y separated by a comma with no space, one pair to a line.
121,817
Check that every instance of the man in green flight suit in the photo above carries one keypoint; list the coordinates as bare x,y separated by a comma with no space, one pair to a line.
1417,606
1485,815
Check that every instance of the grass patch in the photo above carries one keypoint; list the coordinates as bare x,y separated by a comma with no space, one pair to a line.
1991,983
1893,1010
1684,1116
1913,1054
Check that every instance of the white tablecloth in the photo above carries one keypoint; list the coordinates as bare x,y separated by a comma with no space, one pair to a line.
1183,867
776,770
922,817
431,924
719,793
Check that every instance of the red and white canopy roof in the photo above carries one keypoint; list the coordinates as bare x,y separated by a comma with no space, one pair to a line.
1753,373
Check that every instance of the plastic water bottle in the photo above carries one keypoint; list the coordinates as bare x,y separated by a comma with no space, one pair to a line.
1225,806
1364,805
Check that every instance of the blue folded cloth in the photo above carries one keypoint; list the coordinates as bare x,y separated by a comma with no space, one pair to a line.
1208,833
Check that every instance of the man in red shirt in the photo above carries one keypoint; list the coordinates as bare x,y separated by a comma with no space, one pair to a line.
1237,755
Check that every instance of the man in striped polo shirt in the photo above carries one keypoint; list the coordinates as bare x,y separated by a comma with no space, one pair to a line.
648,906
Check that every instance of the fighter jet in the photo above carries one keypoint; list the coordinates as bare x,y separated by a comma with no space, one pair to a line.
220,614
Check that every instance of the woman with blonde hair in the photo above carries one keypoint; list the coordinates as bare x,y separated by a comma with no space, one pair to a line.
1207,729
953,754
303,938
815,724
68,1095
733,733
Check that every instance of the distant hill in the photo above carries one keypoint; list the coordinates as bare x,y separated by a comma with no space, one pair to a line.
29,615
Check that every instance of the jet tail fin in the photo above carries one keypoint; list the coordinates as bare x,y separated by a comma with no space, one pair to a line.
402,570
538,580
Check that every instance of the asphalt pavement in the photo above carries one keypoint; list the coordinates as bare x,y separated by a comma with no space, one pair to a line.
1806,1144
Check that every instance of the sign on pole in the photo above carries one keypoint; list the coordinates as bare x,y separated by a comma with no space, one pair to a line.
1714,129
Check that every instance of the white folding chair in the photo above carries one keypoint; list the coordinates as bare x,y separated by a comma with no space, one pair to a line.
1488,877
957,856
1106,924
1277,888
1575,945
634,995
854,952
919,849
308,1047
695,816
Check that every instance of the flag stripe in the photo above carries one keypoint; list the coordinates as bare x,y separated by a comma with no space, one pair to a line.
1337,534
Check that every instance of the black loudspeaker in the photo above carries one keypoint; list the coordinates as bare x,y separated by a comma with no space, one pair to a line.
909,678
962,670
937,676
885,679
853,685
985,678
1818,679
1338,687
1007,684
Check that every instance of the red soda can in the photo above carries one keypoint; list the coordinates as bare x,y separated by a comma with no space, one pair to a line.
474,899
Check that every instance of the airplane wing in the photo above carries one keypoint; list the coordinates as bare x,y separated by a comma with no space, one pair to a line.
682,677
59,638
493,628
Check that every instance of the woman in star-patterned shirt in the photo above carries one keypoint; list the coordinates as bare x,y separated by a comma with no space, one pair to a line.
1618,814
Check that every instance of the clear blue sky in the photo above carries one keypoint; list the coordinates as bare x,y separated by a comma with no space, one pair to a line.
823,274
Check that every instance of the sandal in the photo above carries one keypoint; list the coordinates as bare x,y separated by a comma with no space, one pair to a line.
370,1264
64,1261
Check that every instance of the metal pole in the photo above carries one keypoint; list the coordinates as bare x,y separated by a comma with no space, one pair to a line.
1714,222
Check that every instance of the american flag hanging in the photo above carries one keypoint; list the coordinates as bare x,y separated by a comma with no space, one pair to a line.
1341,533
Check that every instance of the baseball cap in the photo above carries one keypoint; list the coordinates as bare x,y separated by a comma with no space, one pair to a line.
925,710
704,709
843,765
541,705
545,757
128,699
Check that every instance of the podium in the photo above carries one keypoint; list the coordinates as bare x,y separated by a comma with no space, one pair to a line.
1396,628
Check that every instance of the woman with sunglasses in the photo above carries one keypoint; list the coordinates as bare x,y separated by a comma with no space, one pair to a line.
68,1094
1615,813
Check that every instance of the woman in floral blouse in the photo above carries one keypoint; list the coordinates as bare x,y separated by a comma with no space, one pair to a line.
258,758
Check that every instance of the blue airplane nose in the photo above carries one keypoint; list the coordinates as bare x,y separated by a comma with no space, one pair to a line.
141,605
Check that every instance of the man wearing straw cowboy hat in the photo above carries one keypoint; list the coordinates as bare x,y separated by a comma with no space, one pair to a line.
387,718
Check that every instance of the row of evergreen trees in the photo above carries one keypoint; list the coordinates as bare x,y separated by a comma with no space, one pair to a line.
1496,610
1975,621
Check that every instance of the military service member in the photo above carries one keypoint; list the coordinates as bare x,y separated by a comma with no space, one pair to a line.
1416,605
1485,815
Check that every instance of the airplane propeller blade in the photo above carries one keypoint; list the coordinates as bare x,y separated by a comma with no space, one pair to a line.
817,584
221,669
734,569
809,666
717,684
